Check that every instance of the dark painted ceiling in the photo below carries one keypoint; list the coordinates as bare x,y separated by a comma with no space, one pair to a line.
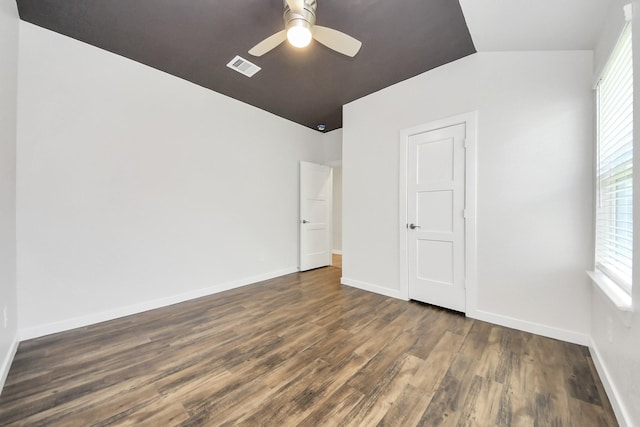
195,39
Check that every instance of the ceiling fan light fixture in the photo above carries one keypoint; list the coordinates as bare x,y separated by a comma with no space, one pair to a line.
299,33
299,28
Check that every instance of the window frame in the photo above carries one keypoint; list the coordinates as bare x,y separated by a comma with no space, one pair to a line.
612,266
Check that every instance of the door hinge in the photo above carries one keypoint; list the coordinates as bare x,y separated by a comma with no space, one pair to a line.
464,213
464,144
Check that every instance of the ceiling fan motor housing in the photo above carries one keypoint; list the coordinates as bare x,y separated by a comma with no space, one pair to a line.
305,18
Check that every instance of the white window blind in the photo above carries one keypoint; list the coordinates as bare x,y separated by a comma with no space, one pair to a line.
614,175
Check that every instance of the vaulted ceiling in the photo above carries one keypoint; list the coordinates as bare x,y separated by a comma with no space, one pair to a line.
195,39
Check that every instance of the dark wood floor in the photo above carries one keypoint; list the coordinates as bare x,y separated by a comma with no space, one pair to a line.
301,350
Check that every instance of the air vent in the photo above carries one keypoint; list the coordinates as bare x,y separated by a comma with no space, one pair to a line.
243,66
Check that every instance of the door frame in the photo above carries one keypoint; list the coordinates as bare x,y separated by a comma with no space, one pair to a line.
470,234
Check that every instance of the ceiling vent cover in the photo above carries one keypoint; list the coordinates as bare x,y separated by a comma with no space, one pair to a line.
243,66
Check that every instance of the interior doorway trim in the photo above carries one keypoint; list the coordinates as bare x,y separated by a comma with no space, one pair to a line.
471,263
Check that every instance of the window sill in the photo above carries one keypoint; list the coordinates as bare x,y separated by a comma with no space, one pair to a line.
616,296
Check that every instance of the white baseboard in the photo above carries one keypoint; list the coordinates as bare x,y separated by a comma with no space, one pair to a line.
6,363
337,251
393,293
532,327
78,322
497,319
623,417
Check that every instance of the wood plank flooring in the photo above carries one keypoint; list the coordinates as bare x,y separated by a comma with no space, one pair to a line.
336,260
301,350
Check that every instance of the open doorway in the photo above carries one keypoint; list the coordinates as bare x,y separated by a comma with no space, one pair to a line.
337,217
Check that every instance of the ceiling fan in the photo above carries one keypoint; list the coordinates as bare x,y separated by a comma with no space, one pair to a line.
299,20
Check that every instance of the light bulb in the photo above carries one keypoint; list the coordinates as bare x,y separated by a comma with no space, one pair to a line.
299,36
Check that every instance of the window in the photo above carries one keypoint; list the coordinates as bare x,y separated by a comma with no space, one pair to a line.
614,174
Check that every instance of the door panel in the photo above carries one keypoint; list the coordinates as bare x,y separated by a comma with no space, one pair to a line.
435,161
435,207
315,215
435,211
435,261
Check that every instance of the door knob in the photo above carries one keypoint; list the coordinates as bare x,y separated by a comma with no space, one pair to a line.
413,226
304,221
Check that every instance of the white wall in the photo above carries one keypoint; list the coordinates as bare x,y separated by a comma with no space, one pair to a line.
618,360
534,183
8,90
337,209
137,189
332,142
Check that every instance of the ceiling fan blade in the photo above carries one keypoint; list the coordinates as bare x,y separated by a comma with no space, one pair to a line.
269,43
336,40
296,6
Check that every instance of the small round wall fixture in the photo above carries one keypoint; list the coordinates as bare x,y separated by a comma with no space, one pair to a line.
321,127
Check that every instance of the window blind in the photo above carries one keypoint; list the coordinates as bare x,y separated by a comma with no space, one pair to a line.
614,175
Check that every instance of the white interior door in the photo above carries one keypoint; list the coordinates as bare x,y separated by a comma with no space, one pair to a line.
315,215
435,215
